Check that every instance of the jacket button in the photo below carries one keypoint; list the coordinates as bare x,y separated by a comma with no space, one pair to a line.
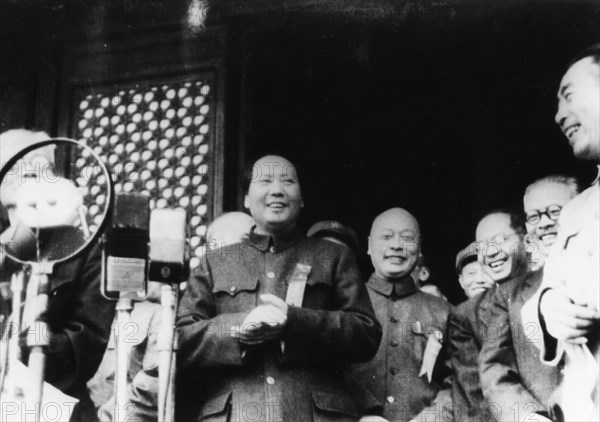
270,380
390,399
272,249
232,289
393,320
271,274
394,343
393,371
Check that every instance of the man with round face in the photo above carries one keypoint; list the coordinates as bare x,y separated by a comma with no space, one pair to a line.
524,379
542,203
500,245
269,325
567,306
409,376
501,255
471,276
274,198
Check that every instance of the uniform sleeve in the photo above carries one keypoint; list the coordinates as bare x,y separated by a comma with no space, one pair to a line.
347,332
500,379
205,338
79,319
466,392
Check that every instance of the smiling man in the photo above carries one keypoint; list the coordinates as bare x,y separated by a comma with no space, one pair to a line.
543,202
567,306
267,327
501,254
511,374
471,276
409,376
500,245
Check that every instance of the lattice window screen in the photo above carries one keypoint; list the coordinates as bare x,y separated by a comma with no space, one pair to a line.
155,140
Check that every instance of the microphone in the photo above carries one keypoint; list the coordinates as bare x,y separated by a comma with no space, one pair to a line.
125,252
168,252
168,265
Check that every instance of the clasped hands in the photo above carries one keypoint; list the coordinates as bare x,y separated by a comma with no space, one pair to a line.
264,323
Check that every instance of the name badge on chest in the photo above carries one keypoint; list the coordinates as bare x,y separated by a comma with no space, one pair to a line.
297,285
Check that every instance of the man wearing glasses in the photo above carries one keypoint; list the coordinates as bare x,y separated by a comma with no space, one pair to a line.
501,252
542,203
567,306
512,377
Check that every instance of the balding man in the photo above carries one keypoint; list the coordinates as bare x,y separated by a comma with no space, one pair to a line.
229,228
409,375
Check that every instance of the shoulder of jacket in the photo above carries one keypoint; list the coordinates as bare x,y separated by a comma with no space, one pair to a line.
434,303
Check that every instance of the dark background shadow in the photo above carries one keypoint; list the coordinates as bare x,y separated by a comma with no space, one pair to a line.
443,108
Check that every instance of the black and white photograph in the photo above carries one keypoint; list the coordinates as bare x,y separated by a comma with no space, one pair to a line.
299,210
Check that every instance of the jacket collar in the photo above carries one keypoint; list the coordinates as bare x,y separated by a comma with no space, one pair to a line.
277,242
403,286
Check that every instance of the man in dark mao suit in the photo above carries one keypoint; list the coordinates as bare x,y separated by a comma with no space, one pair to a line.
502,255
245,354
466,337
512,375
409,376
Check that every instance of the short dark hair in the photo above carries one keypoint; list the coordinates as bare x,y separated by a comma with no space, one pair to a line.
571,182
248,170
517,219
592,51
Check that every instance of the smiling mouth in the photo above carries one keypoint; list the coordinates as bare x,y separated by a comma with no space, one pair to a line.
478,289
572,130
276,205
499,263
395,259
548,237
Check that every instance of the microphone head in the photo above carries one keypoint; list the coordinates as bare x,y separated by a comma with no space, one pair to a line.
126,265
128,232
168,247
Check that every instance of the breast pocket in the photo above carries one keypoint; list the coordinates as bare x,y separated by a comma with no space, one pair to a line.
234,289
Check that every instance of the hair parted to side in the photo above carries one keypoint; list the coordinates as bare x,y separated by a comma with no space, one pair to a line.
247,173
517,219
571,182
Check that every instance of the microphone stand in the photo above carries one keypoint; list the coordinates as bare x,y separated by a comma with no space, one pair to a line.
38,336
124,307
11,336
166,346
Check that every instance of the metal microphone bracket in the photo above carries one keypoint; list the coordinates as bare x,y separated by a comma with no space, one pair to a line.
38,335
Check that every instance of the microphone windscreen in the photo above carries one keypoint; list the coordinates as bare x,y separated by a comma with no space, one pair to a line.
128,234
167,245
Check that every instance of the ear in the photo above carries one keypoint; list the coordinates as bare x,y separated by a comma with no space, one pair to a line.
369,245
246,202
424,274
